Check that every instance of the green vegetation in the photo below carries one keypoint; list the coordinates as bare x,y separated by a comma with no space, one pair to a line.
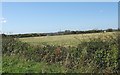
94,53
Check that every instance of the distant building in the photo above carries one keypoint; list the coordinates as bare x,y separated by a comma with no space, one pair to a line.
104,31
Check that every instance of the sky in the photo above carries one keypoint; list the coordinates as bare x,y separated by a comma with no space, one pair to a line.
43,17
60,0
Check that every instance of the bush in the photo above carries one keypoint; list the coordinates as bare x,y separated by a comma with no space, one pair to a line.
104,52
95,55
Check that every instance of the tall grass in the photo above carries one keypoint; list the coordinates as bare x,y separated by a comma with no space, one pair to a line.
97,55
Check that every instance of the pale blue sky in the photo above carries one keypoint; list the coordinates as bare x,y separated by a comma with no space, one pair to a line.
60,0
28,17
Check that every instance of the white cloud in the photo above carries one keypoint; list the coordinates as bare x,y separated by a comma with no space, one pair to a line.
3,20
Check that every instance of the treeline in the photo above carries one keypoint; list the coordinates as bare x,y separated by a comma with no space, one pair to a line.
66,32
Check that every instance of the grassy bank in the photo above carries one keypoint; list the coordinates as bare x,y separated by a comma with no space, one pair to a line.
95,53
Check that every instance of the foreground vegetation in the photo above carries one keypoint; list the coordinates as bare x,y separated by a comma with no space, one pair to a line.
94,55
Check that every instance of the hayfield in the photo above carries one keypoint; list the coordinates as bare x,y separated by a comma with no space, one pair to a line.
64,40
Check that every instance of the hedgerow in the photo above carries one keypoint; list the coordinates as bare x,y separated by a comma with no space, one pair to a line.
98,55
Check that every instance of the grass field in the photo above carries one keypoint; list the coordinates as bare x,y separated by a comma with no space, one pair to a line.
79,53
64,40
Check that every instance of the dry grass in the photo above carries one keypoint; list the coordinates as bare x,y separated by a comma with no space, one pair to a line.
63,40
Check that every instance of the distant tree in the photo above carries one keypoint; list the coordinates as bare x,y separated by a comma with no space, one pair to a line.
67,32
73,32
109,30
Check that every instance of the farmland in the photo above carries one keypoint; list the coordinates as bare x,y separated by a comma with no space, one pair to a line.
78,53
64,40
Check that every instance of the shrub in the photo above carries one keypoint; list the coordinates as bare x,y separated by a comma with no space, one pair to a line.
95,55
